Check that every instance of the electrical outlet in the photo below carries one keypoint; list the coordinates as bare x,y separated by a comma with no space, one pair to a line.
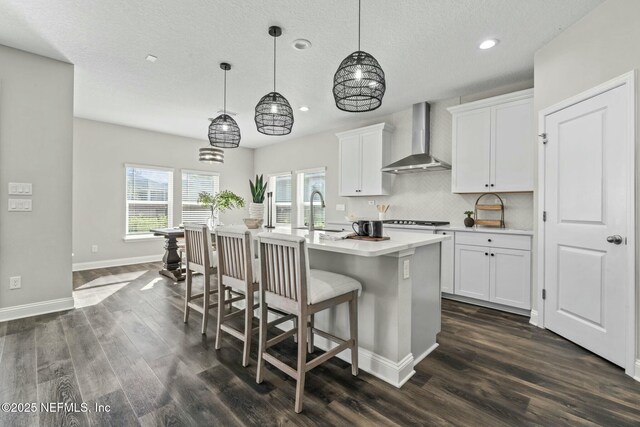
15,282
406,267
340,208
94,249
372,202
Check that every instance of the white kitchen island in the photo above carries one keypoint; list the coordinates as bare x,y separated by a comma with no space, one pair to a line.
399,308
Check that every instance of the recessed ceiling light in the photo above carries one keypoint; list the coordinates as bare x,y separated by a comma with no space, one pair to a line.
152,58
304,108
488,44
301,44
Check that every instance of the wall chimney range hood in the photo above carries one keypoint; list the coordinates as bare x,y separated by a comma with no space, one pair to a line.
420,159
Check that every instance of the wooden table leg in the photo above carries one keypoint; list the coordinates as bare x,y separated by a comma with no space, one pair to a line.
171,260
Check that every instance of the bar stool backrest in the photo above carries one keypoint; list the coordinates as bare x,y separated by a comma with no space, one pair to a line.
235,267
197,241
284,270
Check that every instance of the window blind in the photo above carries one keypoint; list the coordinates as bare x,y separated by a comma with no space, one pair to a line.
282,198
193,183
308,182
149,199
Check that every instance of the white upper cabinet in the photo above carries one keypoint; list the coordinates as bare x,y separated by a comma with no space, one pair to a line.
363,152
493,144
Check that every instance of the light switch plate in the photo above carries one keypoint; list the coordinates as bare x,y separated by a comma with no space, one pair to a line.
20,188
15,282
20,205
340,208
372,202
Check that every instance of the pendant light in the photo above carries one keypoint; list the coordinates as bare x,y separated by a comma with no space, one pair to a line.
211,155
274,115
359,84
223,130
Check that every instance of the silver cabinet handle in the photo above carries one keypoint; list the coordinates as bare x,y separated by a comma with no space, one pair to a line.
615,239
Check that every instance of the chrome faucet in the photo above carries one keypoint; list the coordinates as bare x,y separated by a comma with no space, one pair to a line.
311,219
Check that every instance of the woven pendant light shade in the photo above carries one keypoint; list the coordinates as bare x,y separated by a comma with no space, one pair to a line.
224,132
211,155
359,83
274,115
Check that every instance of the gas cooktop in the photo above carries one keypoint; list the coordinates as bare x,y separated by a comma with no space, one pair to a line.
416,222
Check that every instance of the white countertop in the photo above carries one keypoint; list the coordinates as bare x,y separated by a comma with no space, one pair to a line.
400,241
451,227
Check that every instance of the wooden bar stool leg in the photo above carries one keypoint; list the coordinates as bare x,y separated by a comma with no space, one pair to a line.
221,302
302,361
187,296
205,304
310,333
248,326
353,328
263,339
295,326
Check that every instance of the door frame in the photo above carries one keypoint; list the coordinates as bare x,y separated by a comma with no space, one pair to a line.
628,80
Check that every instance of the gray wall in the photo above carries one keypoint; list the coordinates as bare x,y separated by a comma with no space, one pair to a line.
417,196
601,46
36,136
100,152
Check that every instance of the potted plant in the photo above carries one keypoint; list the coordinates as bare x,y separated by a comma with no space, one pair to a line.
468,221
221,202
258,191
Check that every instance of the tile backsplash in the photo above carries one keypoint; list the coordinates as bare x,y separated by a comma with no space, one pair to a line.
428,196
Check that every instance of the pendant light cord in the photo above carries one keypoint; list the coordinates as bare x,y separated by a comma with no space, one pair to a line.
274,63
359,25
224,105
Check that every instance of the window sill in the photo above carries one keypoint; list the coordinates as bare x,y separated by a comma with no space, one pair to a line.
141,238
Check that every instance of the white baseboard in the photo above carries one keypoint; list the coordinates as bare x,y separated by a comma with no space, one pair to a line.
425,354
81,266
636,374
534,318
395,373
35,309
487,304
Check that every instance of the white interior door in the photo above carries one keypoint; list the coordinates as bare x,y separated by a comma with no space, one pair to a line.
586,201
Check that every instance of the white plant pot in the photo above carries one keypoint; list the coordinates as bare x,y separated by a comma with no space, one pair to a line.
256,210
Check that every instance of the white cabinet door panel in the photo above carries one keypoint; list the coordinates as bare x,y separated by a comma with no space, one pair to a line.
371,177
471,156
472,271
350,160
511,277
512,147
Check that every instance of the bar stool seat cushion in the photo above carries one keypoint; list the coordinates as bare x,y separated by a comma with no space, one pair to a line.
324,285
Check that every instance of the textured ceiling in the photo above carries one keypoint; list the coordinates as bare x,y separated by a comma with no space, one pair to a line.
427,48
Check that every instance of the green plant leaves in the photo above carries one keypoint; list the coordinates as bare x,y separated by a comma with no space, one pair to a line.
258,190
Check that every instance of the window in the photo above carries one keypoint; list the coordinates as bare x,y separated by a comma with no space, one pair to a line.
308,181
282,193
193,183
149,198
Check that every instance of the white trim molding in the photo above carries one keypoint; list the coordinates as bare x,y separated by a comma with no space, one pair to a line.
394,373
637,371
534,318
425,354
82,266
628,80
36,309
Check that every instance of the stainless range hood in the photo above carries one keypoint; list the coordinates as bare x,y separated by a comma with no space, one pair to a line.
420,159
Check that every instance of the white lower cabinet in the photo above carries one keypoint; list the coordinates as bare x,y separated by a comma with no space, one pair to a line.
472,271
488,272
510,278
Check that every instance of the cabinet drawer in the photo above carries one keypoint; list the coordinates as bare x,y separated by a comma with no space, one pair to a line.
494,240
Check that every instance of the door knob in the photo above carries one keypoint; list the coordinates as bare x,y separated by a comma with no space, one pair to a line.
615,239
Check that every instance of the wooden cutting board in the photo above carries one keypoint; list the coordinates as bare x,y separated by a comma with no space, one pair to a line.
368,238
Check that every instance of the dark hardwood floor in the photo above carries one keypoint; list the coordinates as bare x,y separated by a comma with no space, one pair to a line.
133,352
